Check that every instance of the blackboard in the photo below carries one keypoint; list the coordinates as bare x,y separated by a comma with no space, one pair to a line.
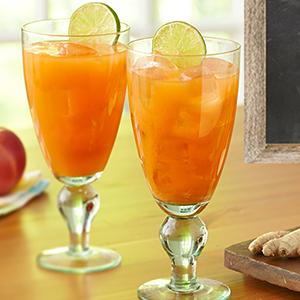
283,71
272,81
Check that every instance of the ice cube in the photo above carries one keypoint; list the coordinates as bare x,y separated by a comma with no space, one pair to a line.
105,49
156,67
208,88
195,72
187,121
61,48
74,49
205,90
219,67
210,116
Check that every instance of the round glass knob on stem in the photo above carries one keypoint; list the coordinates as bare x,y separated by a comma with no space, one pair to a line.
79,205
183,239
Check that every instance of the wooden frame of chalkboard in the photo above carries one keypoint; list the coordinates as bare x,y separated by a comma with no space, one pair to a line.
257,149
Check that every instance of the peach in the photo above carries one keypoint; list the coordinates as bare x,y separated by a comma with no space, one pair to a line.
12,160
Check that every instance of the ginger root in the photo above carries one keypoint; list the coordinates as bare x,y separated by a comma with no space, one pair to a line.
279,243
257,245
286,246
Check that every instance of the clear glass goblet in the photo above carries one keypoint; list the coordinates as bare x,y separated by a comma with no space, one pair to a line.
76,88
182,119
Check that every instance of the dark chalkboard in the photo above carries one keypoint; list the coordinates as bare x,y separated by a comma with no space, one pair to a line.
283,71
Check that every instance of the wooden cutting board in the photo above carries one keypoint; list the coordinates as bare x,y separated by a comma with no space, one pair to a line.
284,272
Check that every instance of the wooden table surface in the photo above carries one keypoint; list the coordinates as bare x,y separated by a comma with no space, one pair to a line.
250,199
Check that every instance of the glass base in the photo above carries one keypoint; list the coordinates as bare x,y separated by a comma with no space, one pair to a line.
79,180
177,210
93,260
159,290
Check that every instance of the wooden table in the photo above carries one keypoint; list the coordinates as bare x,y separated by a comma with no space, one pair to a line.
249,200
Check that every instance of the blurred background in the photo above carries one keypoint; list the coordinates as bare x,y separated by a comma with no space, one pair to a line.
223,18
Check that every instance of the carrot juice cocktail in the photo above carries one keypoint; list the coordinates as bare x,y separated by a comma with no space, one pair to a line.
182,94
75,75
182,120
76,94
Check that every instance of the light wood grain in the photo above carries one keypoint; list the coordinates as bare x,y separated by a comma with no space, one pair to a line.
250,199
256,148
255,79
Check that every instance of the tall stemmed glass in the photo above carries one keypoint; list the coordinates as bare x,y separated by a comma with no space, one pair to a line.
182,120
75,87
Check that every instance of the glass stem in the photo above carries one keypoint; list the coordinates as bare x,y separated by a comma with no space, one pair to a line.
183,239
78,205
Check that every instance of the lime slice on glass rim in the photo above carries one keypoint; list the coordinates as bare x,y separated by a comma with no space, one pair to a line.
179,40
97,19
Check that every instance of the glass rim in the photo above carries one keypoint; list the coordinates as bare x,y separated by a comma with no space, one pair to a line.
236,48
37,32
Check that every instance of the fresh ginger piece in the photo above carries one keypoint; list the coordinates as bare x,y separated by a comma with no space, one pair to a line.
271,247
257,245
286,246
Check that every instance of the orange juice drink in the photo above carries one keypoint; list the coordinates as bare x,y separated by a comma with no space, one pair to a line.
182,120
76,94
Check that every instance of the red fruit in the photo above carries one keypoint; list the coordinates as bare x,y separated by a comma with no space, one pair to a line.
12,160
